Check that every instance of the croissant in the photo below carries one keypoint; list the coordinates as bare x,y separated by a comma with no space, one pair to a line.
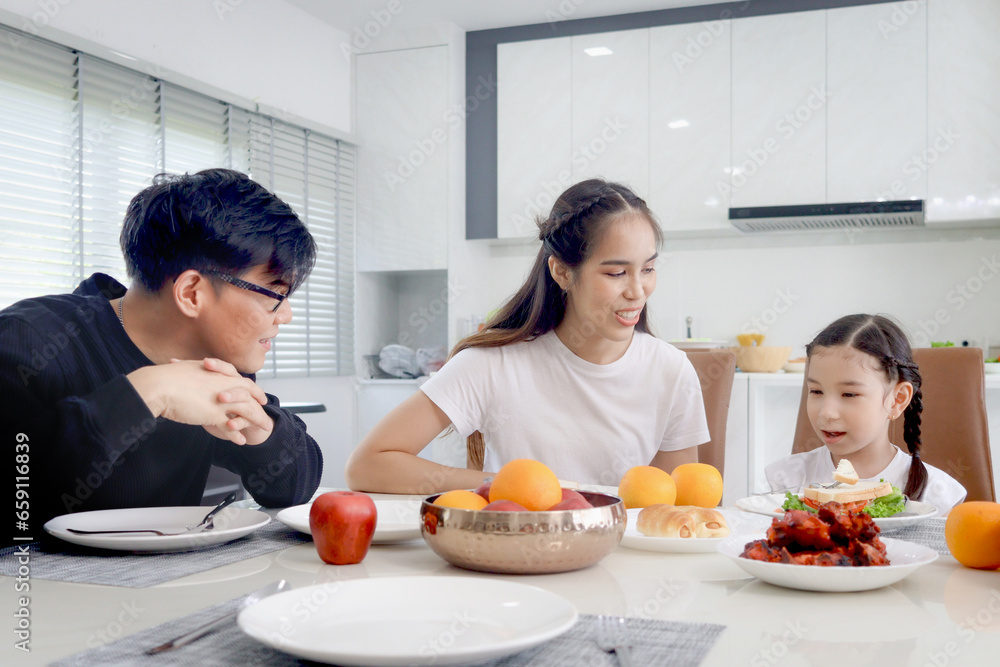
684,522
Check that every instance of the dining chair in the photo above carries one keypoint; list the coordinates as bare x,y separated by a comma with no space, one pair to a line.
715,369
954,432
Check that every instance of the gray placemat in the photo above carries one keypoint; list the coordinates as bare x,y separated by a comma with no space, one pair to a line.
62,561
654,644
929,532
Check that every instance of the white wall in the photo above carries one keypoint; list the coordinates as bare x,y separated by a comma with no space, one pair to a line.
266,51
938,289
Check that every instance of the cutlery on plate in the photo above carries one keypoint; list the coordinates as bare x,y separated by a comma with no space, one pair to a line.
611,637
201,631
208,523
76,531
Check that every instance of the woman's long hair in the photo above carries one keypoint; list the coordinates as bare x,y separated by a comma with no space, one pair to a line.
572,230
880,338
575,226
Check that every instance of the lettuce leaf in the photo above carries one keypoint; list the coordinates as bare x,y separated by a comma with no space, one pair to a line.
795,503
887,505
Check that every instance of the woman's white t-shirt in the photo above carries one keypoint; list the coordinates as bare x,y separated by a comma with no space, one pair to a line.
588,422
942,491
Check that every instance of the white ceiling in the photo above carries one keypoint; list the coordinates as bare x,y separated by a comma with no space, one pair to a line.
475,14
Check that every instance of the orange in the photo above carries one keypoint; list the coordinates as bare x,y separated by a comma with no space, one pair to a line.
642,486
972,532
698,484
463,500
527,482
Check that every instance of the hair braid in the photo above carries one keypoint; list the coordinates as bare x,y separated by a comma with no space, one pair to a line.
916,481
559,222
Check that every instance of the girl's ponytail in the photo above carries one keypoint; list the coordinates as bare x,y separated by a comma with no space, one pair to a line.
916,481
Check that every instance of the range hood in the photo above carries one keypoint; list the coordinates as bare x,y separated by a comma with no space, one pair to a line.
862,215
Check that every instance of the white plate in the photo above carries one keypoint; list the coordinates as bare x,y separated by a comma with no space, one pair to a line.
770,504
794,367
231,523
408,620
684,344
992,367
904,558
740,523
398,520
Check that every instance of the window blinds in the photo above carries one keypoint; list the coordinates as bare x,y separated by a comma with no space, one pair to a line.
79,137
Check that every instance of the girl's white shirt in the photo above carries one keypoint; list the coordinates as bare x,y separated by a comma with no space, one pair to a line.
817,466
588,422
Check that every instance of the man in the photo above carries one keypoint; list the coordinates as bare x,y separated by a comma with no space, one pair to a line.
114,398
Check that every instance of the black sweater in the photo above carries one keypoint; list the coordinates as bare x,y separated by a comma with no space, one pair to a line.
83,439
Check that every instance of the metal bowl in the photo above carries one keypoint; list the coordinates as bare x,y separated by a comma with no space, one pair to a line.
524,542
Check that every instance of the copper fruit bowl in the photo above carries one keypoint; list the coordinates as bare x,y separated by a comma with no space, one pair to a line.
524,542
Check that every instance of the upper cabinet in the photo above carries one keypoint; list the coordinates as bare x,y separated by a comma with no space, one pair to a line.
779,110
534,133
877,108
402,129
689,125
610,108
885,101
962,157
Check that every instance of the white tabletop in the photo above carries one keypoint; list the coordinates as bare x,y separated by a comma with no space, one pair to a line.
943,614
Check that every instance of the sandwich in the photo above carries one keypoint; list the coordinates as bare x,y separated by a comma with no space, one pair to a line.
878,499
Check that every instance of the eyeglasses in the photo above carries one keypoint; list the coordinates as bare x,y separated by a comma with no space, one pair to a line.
242,284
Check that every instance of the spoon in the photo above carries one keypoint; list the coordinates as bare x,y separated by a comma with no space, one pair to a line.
201,631
208,523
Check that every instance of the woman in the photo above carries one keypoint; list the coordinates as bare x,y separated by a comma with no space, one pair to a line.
566,373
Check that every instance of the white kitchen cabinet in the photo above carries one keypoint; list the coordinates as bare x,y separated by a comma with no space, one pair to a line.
402,129
689,125
877,110
610,108
962,158
779,109
533,132
377,398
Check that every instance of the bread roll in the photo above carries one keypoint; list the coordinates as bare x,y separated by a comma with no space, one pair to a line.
683,522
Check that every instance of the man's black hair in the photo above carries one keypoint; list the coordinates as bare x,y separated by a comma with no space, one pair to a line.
216,219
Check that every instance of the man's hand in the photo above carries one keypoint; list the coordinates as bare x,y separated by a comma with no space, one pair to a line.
208,393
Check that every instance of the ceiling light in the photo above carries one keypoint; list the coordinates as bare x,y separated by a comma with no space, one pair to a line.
598,51
676,124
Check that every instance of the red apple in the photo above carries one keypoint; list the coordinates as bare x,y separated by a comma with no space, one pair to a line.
484,489
504,506
570,493
571,504
342,525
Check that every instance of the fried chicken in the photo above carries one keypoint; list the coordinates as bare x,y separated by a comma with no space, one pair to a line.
834,536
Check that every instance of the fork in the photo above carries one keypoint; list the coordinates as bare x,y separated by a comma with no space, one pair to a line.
208,523
611,638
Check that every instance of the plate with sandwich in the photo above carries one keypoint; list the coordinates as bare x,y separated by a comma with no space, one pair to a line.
878,498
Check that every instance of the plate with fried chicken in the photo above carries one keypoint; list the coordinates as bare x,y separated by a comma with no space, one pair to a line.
835,550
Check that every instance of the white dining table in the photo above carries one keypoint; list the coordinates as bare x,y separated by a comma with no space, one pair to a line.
941,615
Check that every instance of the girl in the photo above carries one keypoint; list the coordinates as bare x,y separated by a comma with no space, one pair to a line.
566,373
860,377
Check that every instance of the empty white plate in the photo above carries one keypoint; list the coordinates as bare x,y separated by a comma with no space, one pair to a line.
392,621
398,520
230,524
